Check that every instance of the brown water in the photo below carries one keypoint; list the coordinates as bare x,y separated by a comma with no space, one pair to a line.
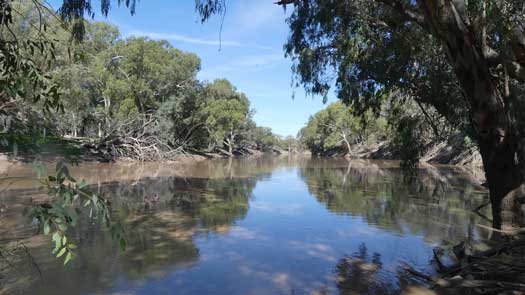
248,226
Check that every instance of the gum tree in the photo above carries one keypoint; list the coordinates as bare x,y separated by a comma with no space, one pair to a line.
463,58
227,114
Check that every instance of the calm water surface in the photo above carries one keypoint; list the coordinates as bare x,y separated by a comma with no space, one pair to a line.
249,226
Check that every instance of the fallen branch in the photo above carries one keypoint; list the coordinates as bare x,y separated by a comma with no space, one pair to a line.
138,139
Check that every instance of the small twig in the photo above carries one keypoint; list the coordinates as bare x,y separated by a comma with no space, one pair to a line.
481,206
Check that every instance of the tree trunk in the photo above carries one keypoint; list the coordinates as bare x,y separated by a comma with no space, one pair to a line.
229,142
505,182
74,126
348,146
107,109
494,130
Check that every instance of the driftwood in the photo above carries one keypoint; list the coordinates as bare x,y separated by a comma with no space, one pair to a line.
498,270
136,139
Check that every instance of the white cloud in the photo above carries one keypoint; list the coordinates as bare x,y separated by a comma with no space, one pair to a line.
245,64
192,40
256,14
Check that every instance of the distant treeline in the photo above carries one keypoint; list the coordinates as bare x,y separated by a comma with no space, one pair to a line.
396,131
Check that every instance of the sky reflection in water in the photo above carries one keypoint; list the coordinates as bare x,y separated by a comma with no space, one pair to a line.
271,226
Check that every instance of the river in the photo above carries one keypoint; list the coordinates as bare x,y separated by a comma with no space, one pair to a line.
271,225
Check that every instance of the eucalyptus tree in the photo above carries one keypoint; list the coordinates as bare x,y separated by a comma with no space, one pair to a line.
343,126
227,114
289,143
262,137
337,128
463,58
154,70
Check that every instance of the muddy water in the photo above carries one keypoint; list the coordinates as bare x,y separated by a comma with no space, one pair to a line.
247,226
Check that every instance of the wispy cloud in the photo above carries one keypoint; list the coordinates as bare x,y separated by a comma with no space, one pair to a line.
252,16
192,40
244,64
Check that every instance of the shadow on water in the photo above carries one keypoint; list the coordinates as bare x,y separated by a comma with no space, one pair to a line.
362,273
251,226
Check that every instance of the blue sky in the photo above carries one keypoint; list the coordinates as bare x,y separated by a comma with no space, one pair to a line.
251,55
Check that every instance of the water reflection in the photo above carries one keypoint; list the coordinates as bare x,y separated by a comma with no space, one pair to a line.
253,226
437,204
159,230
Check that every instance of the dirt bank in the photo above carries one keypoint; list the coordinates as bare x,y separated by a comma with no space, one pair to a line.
450,153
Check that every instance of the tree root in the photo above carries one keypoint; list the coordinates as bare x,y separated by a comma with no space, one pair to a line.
136,139
498,270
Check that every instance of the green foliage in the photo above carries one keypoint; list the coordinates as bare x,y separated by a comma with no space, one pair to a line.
24,81
263,138
181,120
227,114
336,128
377,58
365,44
107,84
69,199
408,142
120,79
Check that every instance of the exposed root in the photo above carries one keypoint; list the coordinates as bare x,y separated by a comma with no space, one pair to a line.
498,270
136,139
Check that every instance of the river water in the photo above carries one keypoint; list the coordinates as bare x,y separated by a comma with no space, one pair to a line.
274,225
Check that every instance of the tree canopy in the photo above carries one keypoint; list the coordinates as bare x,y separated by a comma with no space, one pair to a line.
464,59
336,128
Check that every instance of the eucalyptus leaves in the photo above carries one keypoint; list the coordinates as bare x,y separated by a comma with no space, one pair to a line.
68,201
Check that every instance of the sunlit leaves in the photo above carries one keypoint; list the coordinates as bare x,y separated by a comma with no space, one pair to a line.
336,127
69,200
228,112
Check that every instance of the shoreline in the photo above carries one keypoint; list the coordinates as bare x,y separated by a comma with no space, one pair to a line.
187,165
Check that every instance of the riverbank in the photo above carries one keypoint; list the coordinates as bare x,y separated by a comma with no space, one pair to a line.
82,150
451,152
454,152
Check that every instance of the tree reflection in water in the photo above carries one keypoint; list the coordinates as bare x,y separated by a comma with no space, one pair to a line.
159,234
437,203
308,214
362,273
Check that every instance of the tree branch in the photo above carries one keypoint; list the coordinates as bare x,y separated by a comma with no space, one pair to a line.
515,70
286,2
407,12
517,42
